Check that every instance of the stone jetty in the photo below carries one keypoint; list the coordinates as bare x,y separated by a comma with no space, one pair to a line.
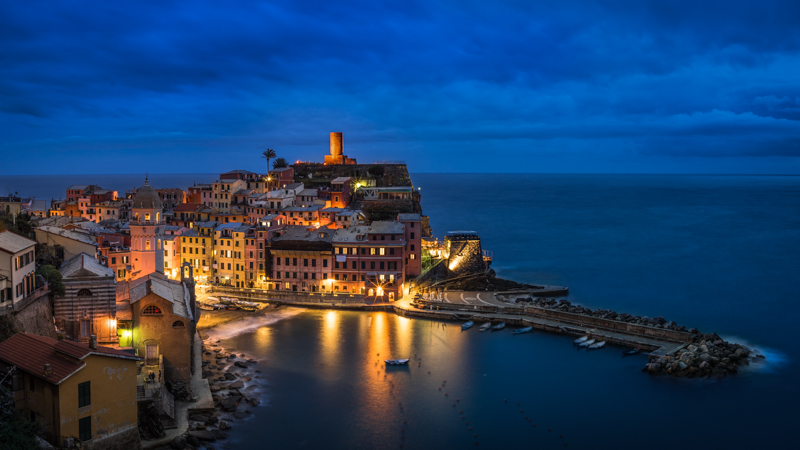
708,355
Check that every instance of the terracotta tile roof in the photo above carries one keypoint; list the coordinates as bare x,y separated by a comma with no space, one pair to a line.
187,207
30,353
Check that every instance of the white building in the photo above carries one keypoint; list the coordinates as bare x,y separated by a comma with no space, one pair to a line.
17,266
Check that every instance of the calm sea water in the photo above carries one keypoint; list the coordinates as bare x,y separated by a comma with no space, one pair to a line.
720,253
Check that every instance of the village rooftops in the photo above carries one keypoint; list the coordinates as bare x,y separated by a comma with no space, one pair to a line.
14,243
347,212
207,224
84,265
308,192
30,353
351,235
298,237
243,192
280,169
174,292
69,234
333,210
243,172
302,208
409,217
340,180
293,186
238,227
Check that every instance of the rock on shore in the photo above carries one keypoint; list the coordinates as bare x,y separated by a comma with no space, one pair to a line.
707,356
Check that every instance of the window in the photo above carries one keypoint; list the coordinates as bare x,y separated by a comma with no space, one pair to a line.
412,247
372,251
305,262
84,394
381,265
324,263
413,256
178,324
313,263
113,260
383,251
391,251
354,265
412,235
86,328
85,429
151,310
147,245
84,293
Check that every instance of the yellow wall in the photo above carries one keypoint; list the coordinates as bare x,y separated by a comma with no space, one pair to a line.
113,397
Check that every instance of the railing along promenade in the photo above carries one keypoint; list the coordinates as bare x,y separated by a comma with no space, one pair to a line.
290,296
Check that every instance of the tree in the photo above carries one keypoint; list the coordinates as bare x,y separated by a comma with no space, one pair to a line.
52,276
47,255
279,163
268,155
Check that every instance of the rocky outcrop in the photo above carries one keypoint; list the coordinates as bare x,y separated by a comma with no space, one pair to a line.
708,355
564,305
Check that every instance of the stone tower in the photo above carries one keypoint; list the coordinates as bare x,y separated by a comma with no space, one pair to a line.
147,217
337,155
463,253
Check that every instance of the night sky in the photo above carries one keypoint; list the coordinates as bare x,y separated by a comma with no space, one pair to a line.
461,86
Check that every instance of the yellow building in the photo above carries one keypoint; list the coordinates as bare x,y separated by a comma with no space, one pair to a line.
229,254
82,393
197,248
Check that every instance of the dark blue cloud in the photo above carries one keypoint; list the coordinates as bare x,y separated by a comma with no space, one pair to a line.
448,86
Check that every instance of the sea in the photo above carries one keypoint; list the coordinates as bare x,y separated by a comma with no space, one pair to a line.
719,253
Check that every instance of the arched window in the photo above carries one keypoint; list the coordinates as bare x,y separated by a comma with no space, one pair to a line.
178,324
136,217
84,293
147,244
147,217
158,244
151,310
157,218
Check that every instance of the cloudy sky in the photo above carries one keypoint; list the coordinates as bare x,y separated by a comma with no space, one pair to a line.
461,86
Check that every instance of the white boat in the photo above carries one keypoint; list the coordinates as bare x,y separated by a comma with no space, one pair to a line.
467,325
212,299
586,343
244,303
499,326
596,345
579,340
396,362
485,326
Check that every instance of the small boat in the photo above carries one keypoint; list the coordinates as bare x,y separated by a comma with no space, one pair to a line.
396,362
580,340
248,308
632,351
205,307
467,325
596,346
213,299
499,326
485,326
247,304
586,343
523,330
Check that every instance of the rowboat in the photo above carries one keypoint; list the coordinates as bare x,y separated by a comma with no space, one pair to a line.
205,307
580,340
499,326
597,345
586,343
485,326
467,325
396,362
632,351
247,304
523,330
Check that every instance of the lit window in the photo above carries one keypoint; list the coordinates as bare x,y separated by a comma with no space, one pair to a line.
372,251
383,251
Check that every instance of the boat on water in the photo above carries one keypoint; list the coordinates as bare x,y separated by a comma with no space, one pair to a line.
499,326
485,326
467,325
632,351
580,340
247,304
596,345
523,330
586,343
396,362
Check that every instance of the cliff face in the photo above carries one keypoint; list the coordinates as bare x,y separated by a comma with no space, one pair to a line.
315,175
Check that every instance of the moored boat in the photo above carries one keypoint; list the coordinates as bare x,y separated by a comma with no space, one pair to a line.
499,326
205,306
485,326
632,351
247,304
597,345
586,343
467,325
523,330
396,362
580,340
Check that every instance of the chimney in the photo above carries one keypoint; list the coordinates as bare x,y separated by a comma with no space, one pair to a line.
47,370
93,342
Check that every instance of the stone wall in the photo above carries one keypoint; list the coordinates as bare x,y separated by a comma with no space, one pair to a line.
123,440
37,318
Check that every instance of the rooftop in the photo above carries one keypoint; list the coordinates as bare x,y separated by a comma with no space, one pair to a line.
69,234
405,217
14,243
386,227
30,353
84,265
173,291
340,180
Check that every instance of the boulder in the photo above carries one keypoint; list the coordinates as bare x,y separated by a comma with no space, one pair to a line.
236,385
203,435
229,376
224,425
178,442
193,441
230,404
705,365
240,364
254,401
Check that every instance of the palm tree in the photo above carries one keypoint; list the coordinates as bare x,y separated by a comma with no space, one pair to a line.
268,155
279,162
